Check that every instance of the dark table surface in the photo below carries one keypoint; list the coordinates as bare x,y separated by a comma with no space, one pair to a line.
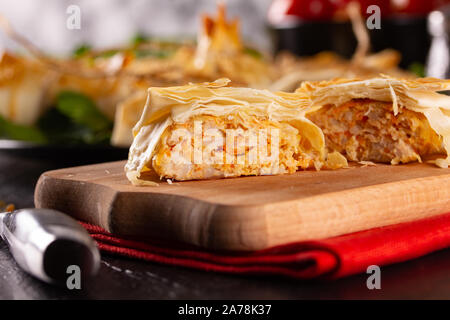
120,278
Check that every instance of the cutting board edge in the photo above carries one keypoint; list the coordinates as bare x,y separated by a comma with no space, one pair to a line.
252,226
410,206
50,191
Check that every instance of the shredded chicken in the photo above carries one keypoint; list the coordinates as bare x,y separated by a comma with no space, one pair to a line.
368,130
174,156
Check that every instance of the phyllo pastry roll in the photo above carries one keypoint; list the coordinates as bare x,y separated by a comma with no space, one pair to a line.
203,131
24,85
382,119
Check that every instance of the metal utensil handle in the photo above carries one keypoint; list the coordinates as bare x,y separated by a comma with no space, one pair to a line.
46,243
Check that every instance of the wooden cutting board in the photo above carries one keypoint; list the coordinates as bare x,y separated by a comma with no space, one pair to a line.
250,212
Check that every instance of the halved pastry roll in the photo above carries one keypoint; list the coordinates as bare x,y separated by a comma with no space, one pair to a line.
382,119
203,131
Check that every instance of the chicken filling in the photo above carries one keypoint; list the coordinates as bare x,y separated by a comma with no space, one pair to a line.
368,130
215,147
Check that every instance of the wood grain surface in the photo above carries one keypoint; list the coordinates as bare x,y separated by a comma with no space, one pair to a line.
248,213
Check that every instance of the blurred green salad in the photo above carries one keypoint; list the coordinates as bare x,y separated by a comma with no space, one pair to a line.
140,46
74,119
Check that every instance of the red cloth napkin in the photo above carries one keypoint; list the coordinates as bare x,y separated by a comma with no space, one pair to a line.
329,258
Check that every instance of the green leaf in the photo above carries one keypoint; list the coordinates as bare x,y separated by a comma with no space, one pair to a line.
160,54
107,53
139,38
417,68
253,52
82,50
59,129
14,131
82,110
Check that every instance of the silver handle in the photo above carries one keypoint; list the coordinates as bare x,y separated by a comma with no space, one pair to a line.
46,242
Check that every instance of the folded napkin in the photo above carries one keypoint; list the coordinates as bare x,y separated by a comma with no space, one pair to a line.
328,258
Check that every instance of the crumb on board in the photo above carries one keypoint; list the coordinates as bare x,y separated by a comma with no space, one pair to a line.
367,163
6,207
169,181
441,163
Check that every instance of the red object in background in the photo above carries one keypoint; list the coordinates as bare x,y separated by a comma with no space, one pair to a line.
416,7
325,10
384,5
329,258
282,11
306,27
311,9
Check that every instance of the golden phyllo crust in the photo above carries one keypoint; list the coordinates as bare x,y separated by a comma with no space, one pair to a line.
24,85
210,130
